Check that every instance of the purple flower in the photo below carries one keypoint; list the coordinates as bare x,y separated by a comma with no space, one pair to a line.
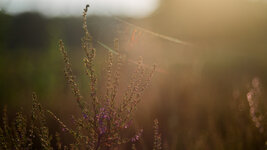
102,129
85,116
128,124
102,117
103,114
137,136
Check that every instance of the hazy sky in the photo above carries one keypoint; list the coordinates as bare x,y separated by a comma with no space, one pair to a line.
132,8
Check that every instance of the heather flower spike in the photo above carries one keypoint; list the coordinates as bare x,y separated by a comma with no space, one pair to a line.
157,145
253,100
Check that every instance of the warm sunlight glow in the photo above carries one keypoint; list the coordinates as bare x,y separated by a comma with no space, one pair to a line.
132,8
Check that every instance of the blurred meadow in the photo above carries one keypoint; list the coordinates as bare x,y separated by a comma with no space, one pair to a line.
211,55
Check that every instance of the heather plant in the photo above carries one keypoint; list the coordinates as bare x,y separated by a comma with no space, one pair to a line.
157,145
104,119
23,133
253,100
14,136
